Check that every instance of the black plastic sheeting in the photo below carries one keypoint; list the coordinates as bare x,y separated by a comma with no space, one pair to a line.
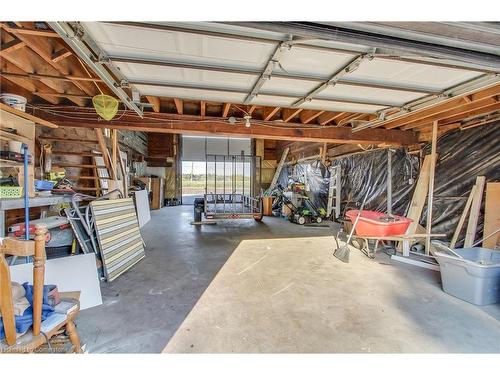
463,155
361,174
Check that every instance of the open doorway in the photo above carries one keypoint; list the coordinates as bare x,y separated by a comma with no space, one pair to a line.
193,180
194,162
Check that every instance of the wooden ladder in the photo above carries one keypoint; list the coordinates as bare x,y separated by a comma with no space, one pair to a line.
278,169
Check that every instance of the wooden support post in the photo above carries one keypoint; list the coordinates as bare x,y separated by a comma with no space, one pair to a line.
114,148
461,221
491,214
123,172
323,153
389,181
430,195
474,212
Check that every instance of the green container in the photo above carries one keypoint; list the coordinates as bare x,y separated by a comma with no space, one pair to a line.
11,192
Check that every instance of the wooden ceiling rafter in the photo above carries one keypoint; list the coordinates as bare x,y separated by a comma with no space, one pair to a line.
225,109
21,30
35,76
462,110
308,115
269,113
46,48
327,117
203,108
12,45
29,61
155,102
289,113
179,105
441,108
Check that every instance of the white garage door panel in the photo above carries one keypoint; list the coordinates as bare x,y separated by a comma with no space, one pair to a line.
369,94
196,148
217,146
288,86
416,75
237,145
340,107
308,61
139,42
194,94
193,148
161,74
273,101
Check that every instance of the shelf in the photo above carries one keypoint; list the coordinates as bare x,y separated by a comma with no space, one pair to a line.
10,163
27,116
14,137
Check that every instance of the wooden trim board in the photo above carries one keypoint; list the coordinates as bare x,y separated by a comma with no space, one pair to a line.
474,212
492,214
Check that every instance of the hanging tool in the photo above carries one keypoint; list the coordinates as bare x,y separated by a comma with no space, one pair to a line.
342,252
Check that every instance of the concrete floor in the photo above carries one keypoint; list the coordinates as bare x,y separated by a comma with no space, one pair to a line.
143,308
296,299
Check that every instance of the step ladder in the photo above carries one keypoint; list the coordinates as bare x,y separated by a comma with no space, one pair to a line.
334,191
278,169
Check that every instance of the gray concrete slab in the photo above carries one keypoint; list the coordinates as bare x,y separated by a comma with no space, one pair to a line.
144,307
367,305
293,296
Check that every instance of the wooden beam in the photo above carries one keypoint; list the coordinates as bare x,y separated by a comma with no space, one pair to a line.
203,108
114,148
105,153
29,62
154,101
269,112
186,124
307,115
491,214
344,120
61,55
30,31
461,221
26,85
44,49
179,105
475,209
225,109
49,77
460,110
251,109
289,113
12,45
27,116
327,117
430,195
426,113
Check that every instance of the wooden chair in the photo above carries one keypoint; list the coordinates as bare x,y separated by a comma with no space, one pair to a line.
38,335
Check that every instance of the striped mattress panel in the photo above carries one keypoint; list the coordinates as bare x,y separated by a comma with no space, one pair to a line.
118,235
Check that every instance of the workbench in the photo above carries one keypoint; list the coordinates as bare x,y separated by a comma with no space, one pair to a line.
16,203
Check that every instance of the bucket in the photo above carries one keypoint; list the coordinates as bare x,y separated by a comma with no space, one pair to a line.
15,146
14,101
267,206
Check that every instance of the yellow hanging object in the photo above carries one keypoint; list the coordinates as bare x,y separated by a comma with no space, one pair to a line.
106,106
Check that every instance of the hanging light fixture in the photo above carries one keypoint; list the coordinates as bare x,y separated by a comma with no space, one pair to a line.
247,121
